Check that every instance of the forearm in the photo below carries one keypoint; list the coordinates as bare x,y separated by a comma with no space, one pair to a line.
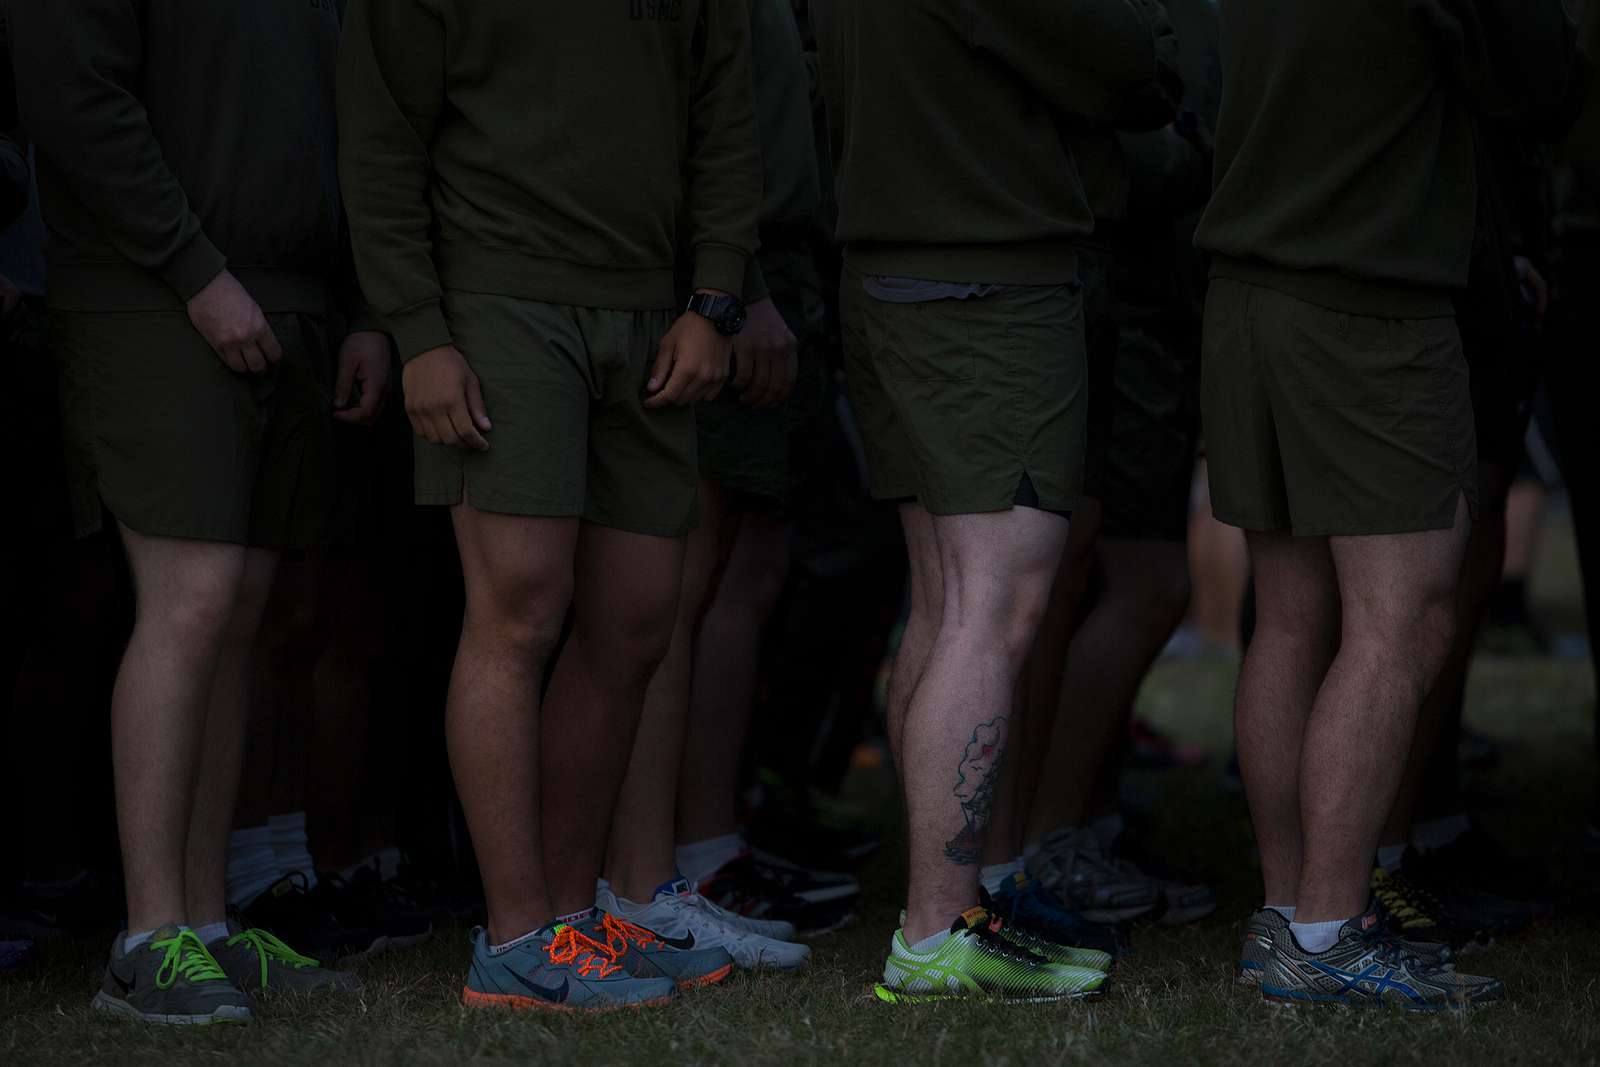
724,162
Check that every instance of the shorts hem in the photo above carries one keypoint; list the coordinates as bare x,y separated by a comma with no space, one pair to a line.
499,503
645,529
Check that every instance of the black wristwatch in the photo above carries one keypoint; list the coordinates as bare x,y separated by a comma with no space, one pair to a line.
725,312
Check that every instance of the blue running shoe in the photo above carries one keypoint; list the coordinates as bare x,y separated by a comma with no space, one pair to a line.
558,968
1026,904
1370,966
644,951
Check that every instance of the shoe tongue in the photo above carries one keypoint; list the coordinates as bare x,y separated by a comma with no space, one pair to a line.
165,933
1020,882
977,918
1364,924
675,887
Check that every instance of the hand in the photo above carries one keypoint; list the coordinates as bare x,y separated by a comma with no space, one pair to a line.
691,364
444,400
363,358
233,325
1535,290
768,357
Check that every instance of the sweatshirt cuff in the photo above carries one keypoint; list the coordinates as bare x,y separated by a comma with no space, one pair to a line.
755,284
417,329
720,267
196,266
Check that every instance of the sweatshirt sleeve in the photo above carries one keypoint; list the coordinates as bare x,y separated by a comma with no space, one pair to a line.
723,189
1517,61
391,93
77,67
1104,62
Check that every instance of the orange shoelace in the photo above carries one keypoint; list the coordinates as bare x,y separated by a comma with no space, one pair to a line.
590,956
620,934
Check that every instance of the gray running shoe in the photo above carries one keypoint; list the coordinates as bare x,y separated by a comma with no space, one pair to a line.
1265,928
169,979
259,963
1073,865
1370,966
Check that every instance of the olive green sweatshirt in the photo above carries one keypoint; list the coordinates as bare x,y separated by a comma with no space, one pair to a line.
545,151
178,137
948,120
791,185
1345,171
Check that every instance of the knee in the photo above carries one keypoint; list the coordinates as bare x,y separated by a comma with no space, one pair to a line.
1411,634
197,606
628,645
523,613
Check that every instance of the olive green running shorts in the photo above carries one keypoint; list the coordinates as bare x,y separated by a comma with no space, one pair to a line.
970,405
565,390
173,443
1323,423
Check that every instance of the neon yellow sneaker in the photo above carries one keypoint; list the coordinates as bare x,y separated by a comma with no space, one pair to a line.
977,961
1035,941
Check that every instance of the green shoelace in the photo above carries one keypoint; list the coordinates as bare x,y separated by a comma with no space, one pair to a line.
269,949
186,957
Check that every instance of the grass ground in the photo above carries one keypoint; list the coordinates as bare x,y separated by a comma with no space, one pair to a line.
1174,1001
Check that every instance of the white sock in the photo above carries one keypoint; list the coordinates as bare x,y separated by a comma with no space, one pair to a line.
252,865
1286,910
1389,857
1437,833
290,845
211,932
1317,937
1107,828
699,860
998,874
929,943
385,861
495,950
131,941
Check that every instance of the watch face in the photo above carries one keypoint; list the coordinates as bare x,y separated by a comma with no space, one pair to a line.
733,320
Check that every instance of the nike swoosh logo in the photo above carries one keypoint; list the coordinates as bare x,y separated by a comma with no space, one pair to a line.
554,994
123,984
683,943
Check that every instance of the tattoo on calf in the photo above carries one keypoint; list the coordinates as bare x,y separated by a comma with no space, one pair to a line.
976,778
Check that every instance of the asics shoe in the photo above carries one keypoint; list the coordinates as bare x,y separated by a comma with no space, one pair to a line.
678,914
1370,966
644,951
975,961
775,894
171,978
1266,928
559,968
257,962
1073,866
1030,912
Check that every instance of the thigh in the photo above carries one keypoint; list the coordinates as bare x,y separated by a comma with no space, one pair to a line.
1241,443
516,565
628,583
158,428
531,361
294,487
1296,586
1374,418
891,467
1391,578
643,469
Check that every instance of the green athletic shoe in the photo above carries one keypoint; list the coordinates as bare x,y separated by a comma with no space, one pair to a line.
259,963
1034,940
171,978
976,961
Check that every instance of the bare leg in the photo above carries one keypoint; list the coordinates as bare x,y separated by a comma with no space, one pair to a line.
1297,634
1145,594
725,660
998,569
1398,596
1043,699
641,855
518,574
625,600
186,592
222,748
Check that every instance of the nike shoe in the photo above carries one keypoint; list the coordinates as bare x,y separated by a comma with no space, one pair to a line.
1073,866
172,979
684,918
1187,898
559,968
1265,929
1370,966
773,928
365,900
812,886
768,893
338,919
258,963
1024,905
977,962
644,951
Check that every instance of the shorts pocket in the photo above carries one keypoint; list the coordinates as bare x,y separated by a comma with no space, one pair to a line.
1344,360
926,342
